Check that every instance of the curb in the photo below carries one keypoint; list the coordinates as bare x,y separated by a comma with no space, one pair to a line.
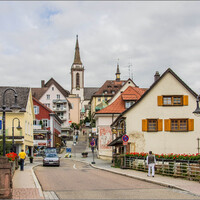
37,184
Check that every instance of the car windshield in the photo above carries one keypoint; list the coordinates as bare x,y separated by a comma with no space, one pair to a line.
51,155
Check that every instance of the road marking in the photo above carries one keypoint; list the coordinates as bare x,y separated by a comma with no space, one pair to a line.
50,195
74,166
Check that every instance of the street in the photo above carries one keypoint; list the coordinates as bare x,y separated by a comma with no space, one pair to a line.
77,180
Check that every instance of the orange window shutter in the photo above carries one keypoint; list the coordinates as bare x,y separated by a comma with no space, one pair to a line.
190,124
185,100
144,125
160,100
167,125
160,124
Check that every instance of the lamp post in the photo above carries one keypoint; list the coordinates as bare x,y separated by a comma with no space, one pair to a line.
18,128
15,106
197,113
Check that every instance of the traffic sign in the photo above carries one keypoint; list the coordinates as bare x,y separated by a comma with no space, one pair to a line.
0,124
92,143
125,138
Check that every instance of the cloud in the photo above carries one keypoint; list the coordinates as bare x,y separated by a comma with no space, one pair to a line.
37,41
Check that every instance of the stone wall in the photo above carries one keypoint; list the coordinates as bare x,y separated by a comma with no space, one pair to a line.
5,179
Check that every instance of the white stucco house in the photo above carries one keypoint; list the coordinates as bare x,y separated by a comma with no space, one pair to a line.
162,120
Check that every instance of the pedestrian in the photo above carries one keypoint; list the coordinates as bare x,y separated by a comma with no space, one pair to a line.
151,161
22,156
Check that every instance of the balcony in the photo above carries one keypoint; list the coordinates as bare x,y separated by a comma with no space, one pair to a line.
58,101
59,109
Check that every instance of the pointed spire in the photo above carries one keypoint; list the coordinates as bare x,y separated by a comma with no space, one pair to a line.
118,72
77,59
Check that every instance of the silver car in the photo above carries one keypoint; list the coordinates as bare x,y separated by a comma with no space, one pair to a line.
51,159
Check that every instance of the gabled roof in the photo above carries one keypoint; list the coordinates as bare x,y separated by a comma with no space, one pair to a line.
110,86
88,92
169,70
60,88
118,106
22,96
39,92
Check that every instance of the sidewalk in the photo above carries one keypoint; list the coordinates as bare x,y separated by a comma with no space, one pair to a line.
26,185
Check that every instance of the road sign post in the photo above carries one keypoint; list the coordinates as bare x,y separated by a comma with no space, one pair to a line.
92,143
125,139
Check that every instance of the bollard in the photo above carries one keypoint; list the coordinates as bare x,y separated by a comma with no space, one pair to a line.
5,179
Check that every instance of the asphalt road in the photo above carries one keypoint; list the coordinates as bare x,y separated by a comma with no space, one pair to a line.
76,180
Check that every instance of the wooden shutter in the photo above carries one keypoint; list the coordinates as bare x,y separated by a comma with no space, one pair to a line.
144,125
167,125
160,124
190,124
185,100
160,100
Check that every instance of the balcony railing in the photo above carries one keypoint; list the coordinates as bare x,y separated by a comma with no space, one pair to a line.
59,109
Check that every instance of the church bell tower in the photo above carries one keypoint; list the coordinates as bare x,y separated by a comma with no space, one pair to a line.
77,74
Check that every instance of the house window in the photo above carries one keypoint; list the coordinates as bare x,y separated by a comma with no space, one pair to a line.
113,92
179,125
52,88
152,125
106,98
48,96
58,96
47,105
173,100
36,110
45,122
99,99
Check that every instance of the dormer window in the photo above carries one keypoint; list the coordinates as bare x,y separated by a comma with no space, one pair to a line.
113,92
128,104
109,86
105,92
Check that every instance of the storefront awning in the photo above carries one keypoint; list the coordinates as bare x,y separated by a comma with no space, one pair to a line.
116,142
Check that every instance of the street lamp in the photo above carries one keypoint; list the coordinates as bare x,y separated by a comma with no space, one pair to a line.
18,128
14,107
197,113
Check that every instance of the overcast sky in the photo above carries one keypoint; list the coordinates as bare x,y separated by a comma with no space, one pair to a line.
37,41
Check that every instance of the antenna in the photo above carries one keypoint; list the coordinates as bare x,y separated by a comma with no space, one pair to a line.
130,71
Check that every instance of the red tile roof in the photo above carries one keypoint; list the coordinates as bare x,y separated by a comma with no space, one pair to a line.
118,106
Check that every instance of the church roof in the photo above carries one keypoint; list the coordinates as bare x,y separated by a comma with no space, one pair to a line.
118,106
77,58
89,91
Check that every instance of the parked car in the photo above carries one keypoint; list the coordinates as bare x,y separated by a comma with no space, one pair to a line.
51,159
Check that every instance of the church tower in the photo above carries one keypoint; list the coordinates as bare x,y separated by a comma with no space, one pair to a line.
117,73
77,74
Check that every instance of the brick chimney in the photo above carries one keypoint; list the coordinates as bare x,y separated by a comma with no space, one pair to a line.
42,83
156,76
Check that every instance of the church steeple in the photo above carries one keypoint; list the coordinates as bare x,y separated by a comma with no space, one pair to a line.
117,73
77,59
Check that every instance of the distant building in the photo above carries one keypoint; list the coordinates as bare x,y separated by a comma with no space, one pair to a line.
46,126
54,96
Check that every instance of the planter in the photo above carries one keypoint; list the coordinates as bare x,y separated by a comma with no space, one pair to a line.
31,160
85,154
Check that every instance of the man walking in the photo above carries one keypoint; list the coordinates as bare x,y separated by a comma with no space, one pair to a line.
151,161
22,156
